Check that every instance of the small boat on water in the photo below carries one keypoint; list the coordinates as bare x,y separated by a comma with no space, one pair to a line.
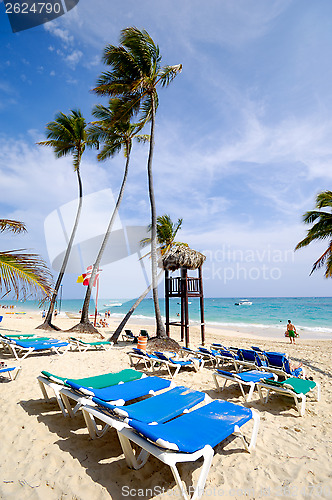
243,302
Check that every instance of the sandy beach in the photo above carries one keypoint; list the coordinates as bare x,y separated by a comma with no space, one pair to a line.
45,456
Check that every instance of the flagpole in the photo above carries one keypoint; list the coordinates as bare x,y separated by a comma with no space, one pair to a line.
96,308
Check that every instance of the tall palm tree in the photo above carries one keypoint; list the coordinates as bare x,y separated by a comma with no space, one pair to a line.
114,136
67,135
135,74
321,230
22,273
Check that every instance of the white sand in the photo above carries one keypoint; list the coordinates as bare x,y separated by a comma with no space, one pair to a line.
46,456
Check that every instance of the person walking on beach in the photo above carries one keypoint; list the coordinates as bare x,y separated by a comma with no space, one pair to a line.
291,331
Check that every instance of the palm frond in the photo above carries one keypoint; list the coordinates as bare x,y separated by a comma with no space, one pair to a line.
168,73
24,273
322,260
12,225
324,199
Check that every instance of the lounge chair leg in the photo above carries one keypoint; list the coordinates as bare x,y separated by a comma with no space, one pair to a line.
43,390
133,461
90,421
238,432
199,489
251,391
66,403
318,391
300,405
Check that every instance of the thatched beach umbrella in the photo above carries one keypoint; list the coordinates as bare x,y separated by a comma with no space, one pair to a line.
182,256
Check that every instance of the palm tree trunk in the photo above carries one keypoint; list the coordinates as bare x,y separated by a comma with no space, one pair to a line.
124,321
84,325
47,325
160,330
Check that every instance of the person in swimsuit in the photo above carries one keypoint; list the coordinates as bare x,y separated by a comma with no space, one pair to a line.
291,332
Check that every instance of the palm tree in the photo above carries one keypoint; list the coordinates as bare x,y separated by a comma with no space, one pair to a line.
114,136
135,75
321,230
166,232
22,272
67,135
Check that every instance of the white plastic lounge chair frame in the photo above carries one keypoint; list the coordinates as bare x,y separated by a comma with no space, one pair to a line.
25,351
142,356
128,336
300,399
234,377
197,363
12,371
83,346
172,458
54,384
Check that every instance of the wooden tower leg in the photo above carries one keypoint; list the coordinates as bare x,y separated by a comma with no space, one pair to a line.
167,285
201,302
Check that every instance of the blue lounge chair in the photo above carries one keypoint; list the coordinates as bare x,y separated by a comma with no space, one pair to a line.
250,359
149,360
226,356
116,394
209,355
248,378
26,347
157,409
279,364
293,387
171,362
187,438
129,336
56,383
12,371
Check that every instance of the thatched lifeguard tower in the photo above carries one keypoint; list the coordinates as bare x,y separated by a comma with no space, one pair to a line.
183,258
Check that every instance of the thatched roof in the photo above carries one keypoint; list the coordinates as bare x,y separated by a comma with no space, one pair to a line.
182,256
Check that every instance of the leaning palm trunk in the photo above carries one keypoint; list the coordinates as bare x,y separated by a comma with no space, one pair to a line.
160,330
47,325
125,320
84,325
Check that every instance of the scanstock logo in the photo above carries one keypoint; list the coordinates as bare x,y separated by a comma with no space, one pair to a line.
26,14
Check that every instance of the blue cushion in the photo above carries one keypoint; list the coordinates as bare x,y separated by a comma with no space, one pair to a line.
128,390
159,408
209,424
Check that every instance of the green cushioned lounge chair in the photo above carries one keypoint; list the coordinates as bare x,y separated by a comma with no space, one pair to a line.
294,387
56,383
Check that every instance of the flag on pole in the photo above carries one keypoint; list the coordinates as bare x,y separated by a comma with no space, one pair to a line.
85,277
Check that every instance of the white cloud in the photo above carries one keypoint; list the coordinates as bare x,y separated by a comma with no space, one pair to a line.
63,34
73,58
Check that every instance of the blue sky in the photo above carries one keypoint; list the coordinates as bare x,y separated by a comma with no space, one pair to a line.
243,138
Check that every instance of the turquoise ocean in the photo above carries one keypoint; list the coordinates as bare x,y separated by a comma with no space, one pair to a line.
309,314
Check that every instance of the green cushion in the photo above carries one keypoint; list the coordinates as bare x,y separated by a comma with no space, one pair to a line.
298,385
100,381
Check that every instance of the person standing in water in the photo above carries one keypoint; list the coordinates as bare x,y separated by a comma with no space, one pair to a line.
291,331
